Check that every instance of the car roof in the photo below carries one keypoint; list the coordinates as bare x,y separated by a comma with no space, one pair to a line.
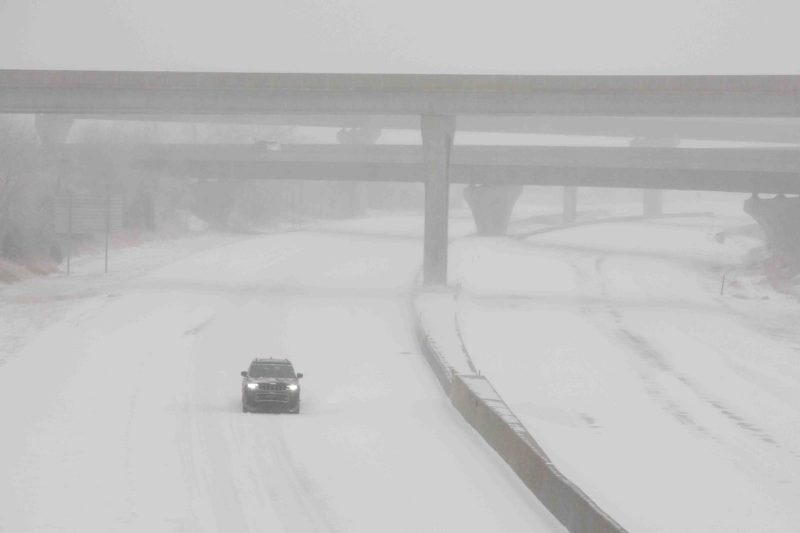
270,360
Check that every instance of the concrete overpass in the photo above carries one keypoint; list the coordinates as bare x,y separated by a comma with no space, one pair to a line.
79,92
751,170
438,100
747,129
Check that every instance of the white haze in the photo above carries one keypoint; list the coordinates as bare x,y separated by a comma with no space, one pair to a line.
672,403
413,36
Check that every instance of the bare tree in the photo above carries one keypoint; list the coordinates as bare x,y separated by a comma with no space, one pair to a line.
18,181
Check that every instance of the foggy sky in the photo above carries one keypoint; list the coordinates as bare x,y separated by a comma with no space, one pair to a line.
412,36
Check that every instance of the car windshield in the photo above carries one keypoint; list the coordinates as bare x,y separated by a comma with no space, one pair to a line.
271,371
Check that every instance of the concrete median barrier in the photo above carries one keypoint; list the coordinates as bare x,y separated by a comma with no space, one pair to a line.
480,405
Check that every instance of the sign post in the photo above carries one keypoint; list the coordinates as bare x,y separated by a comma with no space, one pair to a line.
108,223
69,232
83,214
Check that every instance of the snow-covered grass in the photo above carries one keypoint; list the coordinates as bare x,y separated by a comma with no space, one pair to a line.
31,304
673,407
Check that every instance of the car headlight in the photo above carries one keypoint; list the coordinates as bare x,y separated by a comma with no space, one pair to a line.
252,386
292,386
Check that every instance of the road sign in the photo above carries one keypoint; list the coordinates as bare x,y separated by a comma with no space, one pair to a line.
87,214
78,214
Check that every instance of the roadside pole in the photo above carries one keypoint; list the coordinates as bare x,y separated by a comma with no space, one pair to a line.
108,221
69,231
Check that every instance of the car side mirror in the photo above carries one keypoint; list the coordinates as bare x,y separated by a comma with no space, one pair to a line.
299,375
244,373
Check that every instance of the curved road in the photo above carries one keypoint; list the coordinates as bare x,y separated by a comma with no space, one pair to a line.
124,414
674,408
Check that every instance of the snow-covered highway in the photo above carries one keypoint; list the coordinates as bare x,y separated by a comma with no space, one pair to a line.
121,411
674,408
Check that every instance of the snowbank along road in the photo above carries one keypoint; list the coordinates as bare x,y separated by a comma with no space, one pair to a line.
674,408
122,412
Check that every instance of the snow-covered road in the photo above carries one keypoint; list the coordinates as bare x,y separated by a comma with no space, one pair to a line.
121,413
673,407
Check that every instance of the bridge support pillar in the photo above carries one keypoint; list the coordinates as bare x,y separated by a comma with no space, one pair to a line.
354,194
491,206
652,199
437,142
52,129
779,217
652,202
570,213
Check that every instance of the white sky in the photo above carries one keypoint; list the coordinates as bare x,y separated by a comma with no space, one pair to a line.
420,36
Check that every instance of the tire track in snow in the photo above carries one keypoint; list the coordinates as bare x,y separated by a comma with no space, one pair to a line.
741,450
248,452
597,282
657,361
304,493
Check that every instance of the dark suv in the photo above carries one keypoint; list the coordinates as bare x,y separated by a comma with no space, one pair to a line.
271,384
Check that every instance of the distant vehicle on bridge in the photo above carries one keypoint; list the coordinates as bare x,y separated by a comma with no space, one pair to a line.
271,384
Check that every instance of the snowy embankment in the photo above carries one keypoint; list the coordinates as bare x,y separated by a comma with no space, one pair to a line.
672,407
28,306
120,398
473,395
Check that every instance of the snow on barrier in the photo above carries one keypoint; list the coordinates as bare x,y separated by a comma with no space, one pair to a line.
436,308
480,405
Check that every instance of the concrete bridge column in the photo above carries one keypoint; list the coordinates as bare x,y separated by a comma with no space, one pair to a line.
653,199
491,206
652,202
52,129
570,213
437,142
353,191
780,219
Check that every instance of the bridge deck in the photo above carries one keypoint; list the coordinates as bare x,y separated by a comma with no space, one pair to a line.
23,91
733,170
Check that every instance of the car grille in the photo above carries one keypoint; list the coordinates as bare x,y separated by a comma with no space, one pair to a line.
272,386
271,396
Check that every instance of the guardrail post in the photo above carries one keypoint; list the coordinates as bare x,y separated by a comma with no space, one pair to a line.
437,142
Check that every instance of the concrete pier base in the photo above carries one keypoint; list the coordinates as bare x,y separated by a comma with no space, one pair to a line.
652,202
653,199
53,129
779,217
352,198
491,206
570,212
